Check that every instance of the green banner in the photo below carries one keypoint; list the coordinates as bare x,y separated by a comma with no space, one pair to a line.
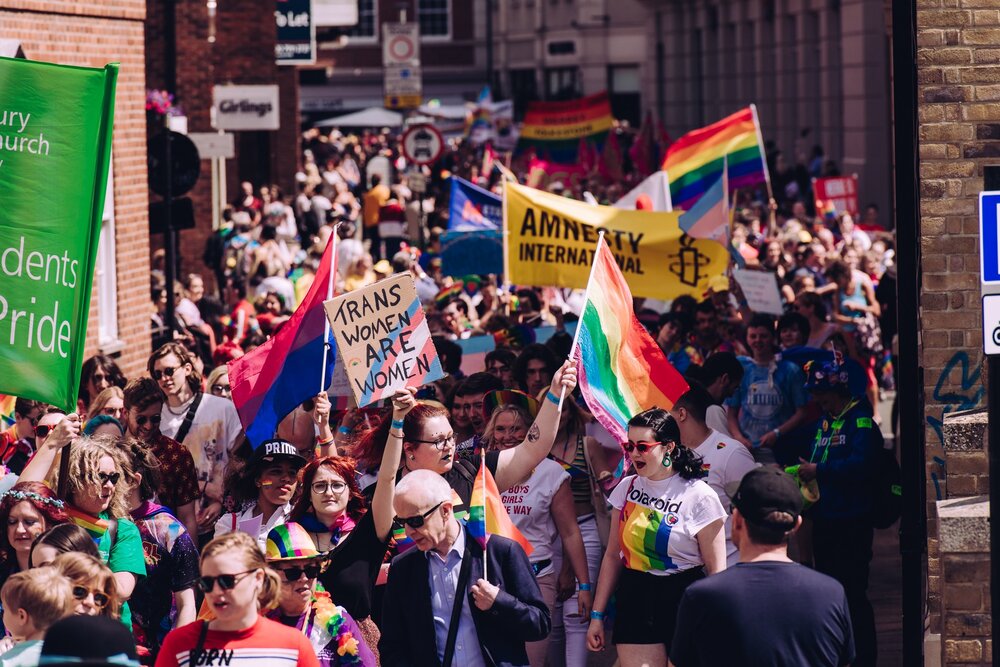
55,149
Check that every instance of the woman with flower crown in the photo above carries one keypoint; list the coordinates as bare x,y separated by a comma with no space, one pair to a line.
26,511
303,604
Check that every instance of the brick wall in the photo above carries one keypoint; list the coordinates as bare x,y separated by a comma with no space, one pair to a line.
92,34
959,134
243,53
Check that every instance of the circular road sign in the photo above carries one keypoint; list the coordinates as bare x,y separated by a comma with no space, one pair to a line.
401,48
184,167
422,144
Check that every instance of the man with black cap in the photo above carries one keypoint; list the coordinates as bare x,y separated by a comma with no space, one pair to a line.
766,610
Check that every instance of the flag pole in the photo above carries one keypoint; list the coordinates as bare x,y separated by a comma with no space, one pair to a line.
506,249
482,471
771,202
579,324
329,295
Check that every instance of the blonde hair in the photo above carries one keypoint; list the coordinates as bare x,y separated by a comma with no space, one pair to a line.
253,559
84,461
99,401
85,570
43,593
517,410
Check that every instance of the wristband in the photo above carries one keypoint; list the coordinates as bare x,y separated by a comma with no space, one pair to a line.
397,423
597,615
344,430
552,397
584,587
397,434
777,432
325,441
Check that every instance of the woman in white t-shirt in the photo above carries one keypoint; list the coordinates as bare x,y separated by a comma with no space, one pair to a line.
538,506
666,533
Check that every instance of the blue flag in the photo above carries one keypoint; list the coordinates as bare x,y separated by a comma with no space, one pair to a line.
473,208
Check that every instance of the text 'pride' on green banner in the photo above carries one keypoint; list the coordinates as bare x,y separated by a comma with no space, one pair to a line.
55,149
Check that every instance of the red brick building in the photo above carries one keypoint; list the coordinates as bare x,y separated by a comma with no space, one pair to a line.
92,34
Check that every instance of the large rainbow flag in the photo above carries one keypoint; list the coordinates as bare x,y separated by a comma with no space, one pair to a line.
622,370
487,514
695,161
555,130
272,380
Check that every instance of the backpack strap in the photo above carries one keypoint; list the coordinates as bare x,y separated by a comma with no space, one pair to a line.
188,419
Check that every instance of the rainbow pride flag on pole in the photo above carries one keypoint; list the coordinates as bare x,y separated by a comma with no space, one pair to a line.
555,130
709,217
622,370
695,161
272,380
487,514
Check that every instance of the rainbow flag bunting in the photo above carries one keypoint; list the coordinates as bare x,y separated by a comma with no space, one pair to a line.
555,130
487,514
622,370
695,161
95,526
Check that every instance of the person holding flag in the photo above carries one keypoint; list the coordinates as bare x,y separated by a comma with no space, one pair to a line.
471,624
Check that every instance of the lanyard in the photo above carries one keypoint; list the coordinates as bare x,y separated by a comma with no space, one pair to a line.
838,423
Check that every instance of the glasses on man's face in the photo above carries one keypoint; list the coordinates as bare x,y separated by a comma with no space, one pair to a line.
221,389
440,443
227,582
100,599
323,487
416,521
292,574
43,431
159,374
641,447
152,420
109,477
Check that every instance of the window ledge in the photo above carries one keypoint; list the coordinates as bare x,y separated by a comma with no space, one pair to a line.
112,346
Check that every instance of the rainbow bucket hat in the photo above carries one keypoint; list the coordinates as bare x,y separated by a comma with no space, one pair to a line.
290,541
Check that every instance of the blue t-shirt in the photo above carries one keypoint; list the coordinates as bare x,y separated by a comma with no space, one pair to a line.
768,396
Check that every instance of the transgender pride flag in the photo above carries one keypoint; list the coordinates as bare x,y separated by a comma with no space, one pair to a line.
271,381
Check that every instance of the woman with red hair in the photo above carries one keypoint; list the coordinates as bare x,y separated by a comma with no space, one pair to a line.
26,511
333,511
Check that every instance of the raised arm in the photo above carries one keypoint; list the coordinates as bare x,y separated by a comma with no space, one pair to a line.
516,464
385,485
65,432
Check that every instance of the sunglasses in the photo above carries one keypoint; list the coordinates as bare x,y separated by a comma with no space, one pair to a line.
292,574
227,582
220,389
166,372
152,420
100,599
416,521
641,447
43,431
112,477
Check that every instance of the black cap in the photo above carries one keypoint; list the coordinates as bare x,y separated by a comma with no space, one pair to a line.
83,641
766,490
276,450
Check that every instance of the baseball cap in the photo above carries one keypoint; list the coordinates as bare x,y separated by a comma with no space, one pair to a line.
766,490
83,641
825,376
275,450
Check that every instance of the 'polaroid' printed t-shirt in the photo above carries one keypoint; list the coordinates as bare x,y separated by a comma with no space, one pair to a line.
659,521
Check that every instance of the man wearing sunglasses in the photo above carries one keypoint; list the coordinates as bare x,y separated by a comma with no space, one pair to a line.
178,489
477,620
17,443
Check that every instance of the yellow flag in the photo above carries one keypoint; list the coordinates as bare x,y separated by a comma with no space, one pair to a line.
549,241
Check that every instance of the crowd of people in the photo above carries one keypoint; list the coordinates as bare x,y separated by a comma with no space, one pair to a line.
342,540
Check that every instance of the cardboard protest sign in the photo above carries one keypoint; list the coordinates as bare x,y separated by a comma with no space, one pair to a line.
761,290
55,152
383,337
551,242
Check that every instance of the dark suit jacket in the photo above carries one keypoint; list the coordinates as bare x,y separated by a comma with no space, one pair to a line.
519,613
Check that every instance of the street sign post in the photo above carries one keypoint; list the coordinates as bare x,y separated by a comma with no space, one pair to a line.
403,82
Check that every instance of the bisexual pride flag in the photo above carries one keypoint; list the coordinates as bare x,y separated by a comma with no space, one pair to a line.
274,379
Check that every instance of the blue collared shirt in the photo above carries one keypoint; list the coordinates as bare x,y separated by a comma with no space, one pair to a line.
442,574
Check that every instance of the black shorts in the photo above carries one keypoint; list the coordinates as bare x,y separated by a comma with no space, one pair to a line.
646,605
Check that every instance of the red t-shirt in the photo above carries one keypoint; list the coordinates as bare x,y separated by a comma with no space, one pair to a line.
266,642
178,476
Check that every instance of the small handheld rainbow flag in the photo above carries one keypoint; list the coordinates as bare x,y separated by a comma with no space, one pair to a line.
487,515
6,411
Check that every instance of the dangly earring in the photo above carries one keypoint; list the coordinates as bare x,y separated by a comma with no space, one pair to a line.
667,461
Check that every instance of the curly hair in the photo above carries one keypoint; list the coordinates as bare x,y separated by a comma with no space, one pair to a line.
343,466
89,572
368,451
685,461
253,559
84,460
50,508
143,462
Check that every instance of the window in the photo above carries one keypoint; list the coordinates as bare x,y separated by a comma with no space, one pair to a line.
107,276
367,28
624,89
562,83
434,17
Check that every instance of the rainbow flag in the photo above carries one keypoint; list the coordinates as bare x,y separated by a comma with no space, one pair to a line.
95,526
487,514
709,217
694,162
554,130
6,411
622,370
272,380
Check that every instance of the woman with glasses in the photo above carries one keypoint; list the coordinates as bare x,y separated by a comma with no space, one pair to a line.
334,513
94,587
217,382
109,402
96,491
666,532
97,374
305,605
165,597
239,588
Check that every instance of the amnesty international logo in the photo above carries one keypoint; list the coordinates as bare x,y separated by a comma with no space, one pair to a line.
689,262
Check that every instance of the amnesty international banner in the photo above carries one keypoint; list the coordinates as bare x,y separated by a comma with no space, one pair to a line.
55,148
550,241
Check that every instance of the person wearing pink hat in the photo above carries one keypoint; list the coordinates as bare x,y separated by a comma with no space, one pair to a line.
305,605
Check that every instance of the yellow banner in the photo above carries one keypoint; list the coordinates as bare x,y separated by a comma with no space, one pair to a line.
550,241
